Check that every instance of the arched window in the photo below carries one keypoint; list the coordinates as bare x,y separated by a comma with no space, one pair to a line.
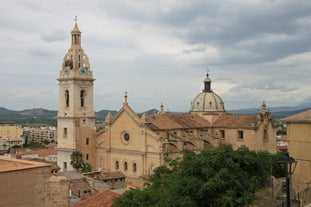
67,98
125,166
134,167
117,165
82,94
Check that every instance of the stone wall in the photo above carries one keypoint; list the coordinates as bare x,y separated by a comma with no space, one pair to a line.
57,192
24,188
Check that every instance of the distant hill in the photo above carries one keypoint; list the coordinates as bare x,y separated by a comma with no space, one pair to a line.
28,112
28,116
101,115
48,117
151,111
38,112
4,111
276,112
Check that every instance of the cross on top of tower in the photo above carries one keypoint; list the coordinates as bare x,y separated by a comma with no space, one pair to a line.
76,19
125,97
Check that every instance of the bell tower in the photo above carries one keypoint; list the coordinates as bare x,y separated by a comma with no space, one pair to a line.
76,116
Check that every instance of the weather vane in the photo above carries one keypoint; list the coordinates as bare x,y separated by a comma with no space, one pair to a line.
207,70
76,19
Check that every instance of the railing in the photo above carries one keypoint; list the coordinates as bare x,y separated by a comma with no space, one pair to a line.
304,197
300,199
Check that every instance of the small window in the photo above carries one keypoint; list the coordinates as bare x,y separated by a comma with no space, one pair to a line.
134,167
87,156
87,141
117,165
240,134
67,98
222,133
265,135
65,165
125,166
65,132
126,137
82,96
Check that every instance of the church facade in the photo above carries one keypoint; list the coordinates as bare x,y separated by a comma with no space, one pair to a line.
136,144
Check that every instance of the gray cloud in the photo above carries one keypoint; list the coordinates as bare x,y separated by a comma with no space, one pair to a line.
159,50
54,36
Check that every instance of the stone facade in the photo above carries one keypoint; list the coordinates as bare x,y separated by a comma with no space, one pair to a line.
57,188
128,145
76,117
299,145
136,144
28,184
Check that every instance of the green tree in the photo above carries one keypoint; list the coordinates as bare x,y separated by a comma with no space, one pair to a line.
86,167
214,177
46,142
34,144
76,160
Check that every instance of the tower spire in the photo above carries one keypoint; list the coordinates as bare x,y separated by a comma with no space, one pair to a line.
76,34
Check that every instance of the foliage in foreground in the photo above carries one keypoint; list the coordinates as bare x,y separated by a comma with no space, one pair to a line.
215,177
78,163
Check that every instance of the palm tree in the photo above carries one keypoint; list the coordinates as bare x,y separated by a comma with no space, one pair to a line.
76,160
86,167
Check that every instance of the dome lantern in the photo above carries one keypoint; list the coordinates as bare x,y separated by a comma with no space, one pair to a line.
207,84
207,100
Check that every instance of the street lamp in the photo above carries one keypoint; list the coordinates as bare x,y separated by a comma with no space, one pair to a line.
288,161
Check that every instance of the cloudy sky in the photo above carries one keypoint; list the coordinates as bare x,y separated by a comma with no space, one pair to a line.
159,51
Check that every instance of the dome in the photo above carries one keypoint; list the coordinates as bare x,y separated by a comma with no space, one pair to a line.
207,100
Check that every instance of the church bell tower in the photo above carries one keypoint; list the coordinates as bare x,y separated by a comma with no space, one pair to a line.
76,117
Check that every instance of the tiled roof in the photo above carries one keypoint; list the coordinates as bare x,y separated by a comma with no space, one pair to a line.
102,199
304,117
236,121
54,165
39,152
177,121
81,189
112,175
71,175
11,164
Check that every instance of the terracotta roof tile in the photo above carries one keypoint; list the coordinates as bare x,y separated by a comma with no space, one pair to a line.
304,117
177,121
112,175
39,152
11,164
71,175
236,121
102,199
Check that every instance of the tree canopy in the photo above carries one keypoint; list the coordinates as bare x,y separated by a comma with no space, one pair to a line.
78,163
76,160
214,177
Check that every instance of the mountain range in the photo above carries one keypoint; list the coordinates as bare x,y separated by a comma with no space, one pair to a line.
41,115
